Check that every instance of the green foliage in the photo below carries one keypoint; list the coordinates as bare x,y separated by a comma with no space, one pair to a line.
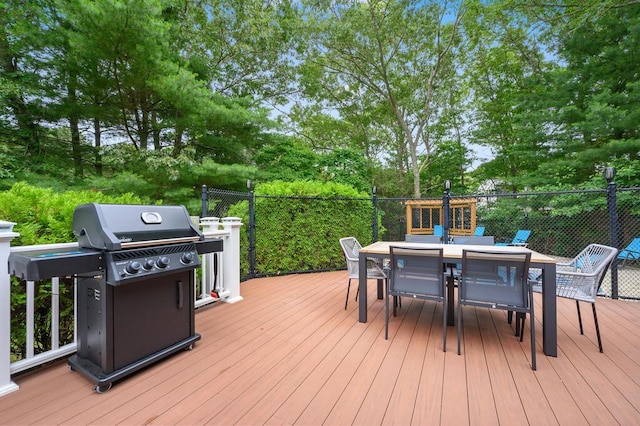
299,224
557,103
162,177
289,159
345,166
43,216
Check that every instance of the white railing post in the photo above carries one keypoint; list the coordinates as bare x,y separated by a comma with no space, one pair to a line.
6,235
231,258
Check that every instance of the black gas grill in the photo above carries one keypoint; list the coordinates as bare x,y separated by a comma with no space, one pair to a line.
135,285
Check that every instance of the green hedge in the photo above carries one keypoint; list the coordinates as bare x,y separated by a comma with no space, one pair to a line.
299,225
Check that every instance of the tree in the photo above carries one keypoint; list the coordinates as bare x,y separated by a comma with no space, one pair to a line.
169,75
555,89
596,103
21,33
383,62
507,74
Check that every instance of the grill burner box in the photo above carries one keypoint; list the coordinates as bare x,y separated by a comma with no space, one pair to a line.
135,281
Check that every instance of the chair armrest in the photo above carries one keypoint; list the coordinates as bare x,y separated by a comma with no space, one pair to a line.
577,285
576,274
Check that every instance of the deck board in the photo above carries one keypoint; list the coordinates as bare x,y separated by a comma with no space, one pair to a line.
290,353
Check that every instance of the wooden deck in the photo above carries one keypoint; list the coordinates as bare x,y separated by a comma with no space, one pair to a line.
290,354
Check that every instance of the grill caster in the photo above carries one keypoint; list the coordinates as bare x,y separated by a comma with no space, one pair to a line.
102,388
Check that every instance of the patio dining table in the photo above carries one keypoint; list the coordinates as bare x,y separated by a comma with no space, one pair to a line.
452,254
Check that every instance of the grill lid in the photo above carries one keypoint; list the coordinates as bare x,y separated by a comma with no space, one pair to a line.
117,226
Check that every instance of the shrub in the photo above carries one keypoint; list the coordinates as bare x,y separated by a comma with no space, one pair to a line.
299,225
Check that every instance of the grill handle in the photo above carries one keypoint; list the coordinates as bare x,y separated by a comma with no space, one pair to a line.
180,295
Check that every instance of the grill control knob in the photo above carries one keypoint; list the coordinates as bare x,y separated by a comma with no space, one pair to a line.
133,267
148,264
187,258
163,262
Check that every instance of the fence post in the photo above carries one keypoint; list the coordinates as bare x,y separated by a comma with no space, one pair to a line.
205,199
374,201
446,202
614,233
6,235
252,231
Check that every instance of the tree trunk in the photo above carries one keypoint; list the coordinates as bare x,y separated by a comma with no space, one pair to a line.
177,144
156,131
97,130
76,147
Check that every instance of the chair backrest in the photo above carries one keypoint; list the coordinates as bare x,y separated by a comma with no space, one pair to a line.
479,231
413,238
472,239
495,279
416,272
593,260
521,237
438,230
351,248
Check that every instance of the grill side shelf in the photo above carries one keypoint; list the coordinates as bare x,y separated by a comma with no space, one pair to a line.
209,246
44,264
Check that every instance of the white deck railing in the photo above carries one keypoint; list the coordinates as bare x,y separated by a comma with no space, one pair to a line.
220,274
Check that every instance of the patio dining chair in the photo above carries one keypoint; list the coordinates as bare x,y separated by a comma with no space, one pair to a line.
520,239
474,239
497,280
631,252
581,278
414,238
469,239
351,248
417,273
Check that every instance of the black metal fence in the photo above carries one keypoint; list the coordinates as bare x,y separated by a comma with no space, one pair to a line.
561,224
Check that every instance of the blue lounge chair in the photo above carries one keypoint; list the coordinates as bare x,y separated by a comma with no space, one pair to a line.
479,232
438,230
519,240
631,252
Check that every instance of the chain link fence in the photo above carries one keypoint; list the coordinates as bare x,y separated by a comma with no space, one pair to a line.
300,234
